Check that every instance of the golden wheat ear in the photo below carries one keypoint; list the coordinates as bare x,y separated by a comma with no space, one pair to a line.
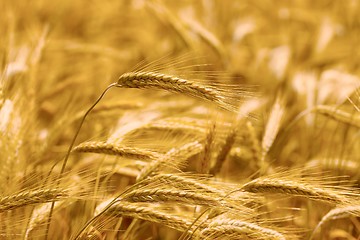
324,189
237,229
226,96
338,213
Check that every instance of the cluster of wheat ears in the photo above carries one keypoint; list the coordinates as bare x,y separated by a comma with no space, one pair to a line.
179,119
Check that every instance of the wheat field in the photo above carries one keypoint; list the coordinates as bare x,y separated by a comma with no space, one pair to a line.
159,119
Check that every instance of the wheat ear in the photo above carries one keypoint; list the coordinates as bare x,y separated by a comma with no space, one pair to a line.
204,164
223,227
163,125
236,232
271,130
294,188
337,213
255,144
39,216
180,154
29,197
224,152
194,190
182,181
150,214
113,149
152,80
338,115
179,123
208,37
171,195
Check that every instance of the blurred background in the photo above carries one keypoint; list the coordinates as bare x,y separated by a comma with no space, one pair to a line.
57,56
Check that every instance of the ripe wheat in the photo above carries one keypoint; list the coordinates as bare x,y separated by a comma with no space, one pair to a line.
114,149
152,80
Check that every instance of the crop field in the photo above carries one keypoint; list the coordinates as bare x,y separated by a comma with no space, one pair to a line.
160,119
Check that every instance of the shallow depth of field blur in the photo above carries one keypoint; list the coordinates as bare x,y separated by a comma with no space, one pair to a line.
296,125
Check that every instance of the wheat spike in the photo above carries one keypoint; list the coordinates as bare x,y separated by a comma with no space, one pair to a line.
225,227
163,125
337,213
173,21
201,187
338,115
204,164
39,216
255,145
296,188
152,80
224,152
235,232
208,37
189,124
167,82
29,197
272,126
115,149
179,154
151,214
171,195
182,181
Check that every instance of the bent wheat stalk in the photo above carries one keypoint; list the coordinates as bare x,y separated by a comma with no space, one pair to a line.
66,158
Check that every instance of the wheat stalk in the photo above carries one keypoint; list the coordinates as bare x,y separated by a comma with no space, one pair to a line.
68,152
